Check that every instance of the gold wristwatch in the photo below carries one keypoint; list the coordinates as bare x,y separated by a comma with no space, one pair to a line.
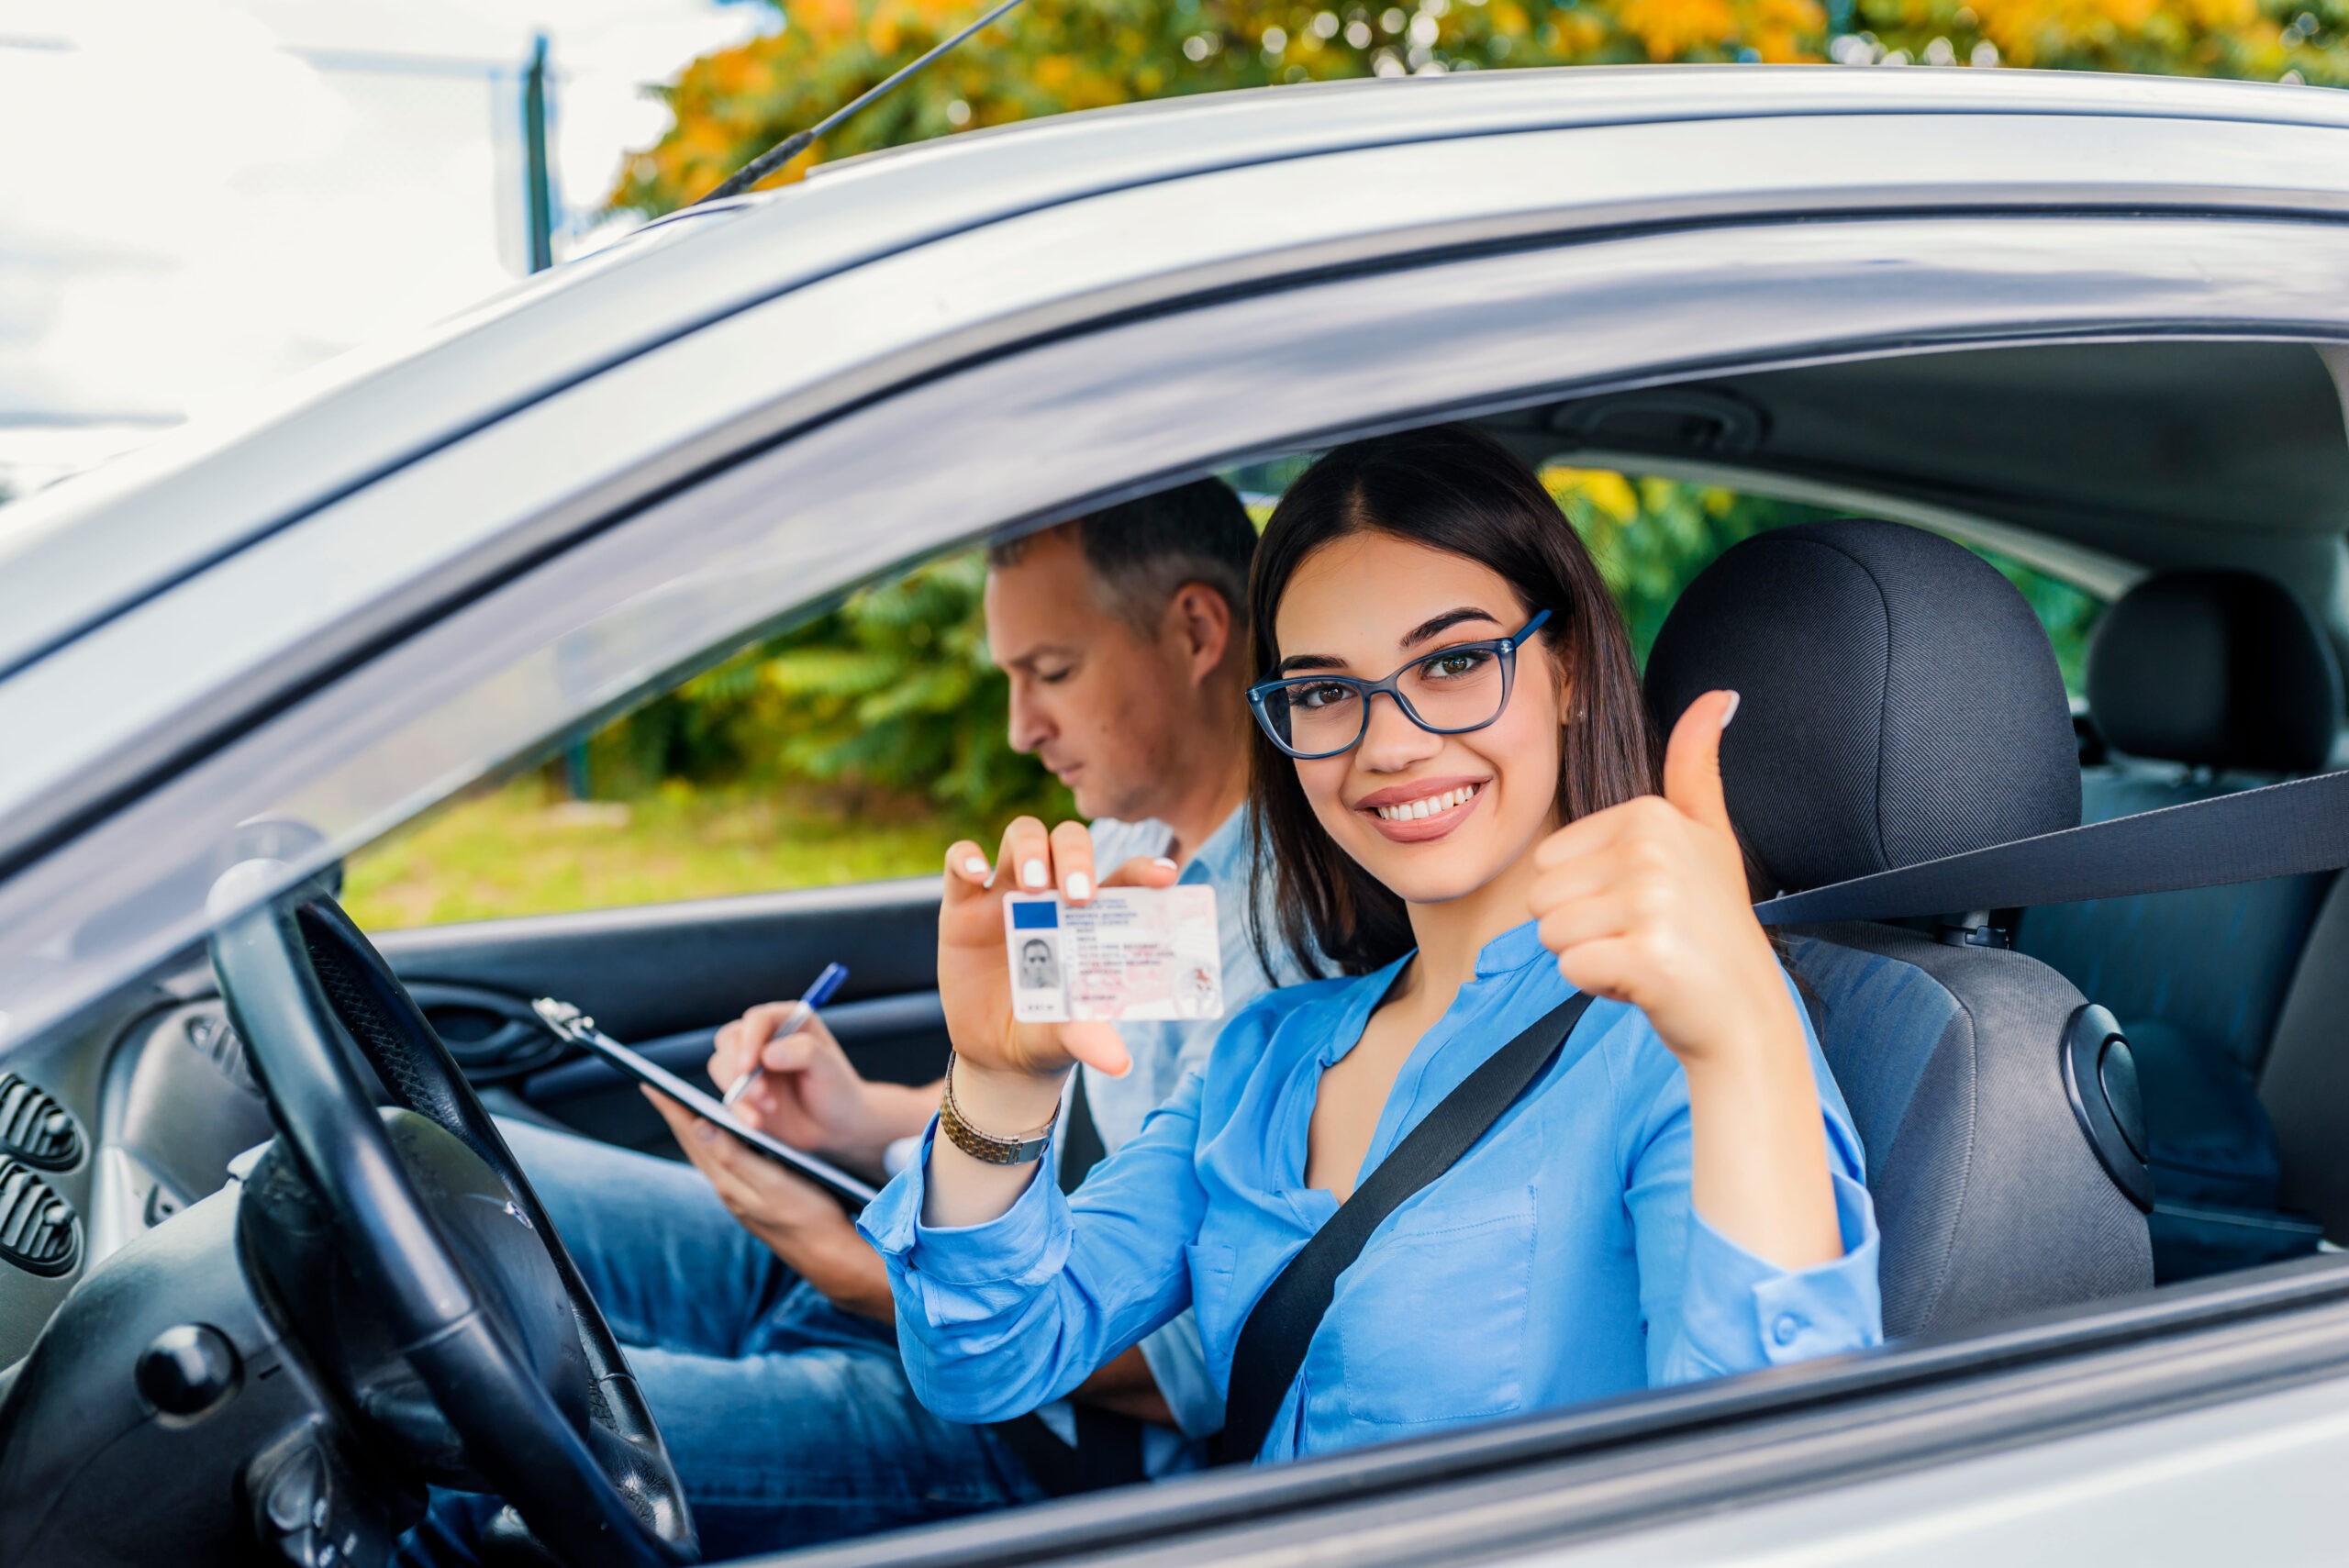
986,1146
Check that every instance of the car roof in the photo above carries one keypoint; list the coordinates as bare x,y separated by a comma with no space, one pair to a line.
71,557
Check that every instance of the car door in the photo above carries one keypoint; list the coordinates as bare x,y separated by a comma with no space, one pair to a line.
664,977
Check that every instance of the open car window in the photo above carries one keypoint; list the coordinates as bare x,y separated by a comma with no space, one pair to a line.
857,746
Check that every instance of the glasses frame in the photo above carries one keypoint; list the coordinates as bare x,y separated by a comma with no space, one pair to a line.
1503,648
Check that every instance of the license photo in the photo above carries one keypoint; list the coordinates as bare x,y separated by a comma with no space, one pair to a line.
1132,953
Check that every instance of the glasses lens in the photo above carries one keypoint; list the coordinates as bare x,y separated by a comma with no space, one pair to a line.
1314,717
1456,689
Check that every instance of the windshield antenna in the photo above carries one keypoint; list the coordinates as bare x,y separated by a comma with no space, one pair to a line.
783,151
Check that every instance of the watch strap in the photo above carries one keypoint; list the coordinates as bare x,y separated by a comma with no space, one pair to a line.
985,1146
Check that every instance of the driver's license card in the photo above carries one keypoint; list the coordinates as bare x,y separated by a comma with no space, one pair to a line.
1130,953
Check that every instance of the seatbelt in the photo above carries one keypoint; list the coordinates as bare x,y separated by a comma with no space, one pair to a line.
1108,1445
2285,830
1282,1324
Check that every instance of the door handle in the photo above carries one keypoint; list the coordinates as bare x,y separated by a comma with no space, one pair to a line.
490,1035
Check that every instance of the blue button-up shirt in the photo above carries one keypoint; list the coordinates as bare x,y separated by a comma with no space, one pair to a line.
1561,1260
1163,1052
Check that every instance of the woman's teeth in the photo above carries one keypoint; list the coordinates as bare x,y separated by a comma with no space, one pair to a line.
1433,806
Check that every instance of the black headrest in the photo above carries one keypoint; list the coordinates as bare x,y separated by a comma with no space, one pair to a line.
2217,668
1899,703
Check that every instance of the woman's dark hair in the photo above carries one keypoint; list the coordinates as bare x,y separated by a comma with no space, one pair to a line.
1454,490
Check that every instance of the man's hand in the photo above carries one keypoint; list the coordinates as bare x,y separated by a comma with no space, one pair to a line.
809,1094
798,1220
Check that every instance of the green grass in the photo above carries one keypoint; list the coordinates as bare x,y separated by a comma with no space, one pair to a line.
523,850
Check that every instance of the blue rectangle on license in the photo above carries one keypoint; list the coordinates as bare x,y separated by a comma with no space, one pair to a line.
1044,915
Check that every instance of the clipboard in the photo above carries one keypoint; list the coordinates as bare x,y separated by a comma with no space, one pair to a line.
567,1022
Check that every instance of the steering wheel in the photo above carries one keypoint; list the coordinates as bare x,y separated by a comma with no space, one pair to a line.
303,987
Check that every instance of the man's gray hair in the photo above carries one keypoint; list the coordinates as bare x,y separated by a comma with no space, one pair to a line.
1139,553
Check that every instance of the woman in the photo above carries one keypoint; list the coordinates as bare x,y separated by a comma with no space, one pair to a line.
1451,783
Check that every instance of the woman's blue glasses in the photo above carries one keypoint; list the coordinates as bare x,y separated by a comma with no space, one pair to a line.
1449,692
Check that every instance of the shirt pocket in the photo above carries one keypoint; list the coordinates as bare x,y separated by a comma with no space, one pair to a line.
1432,1318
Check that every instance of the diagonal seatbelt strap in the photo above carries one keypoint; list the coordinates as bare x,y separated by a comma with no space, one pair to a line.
2285,830
1281,1325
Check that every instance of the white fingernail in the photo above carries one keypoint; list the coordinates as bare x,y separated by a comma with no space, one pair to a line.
1079,885
976,865
1168,862
1730,711
1032,873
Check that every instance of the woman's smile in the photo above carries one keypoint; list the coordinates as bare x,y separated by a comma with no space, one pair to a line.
1424,809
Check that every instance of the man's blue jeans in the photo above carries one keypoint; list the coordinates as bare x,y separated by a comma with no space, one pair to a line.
790,1421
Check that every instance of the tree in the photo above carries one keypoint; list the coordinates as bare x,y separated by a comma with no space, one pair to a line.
1052,56
892,689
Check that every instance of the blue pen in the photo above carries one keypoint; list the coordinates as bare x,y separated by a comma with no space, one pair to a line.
801,1014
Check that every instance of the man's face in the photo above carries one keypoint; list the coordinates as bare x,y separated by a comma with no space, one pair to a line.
1035,958
1106,710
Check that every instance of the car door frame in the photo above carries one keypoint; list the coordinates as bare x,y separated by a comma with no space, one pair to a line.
638,592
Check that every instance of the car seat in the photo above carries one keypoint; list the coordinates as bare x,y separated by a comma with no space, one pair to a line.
1901,703
2203,683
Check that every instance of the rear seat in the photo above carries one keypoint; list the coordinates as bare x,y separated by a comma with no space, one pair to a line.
2203,683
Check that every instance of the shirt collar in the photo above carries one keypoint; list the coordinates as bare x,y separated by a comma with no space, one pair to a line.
1511,951
1222,851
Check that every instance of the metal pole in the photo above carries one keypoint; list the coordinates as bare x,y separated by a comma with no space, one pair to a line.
540,194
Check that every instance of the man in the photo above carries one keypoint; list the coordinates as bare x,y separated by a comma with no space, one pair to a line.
761,1330
1037,970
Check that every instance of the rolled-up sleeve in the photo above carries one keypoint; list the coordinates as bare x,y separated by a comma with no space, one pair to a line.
1711,1306
996,1319
1739,1312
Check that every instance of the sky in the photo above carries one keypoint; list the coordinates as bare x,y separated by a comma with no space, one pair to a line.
201,198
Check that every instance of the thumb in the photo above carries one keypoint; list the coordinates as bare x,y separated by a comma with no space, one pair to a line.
1097,1045
1692,760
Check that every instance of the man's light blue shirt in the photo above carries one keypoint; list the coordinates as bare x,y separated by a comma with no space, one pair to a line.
1164,1051
1561,1260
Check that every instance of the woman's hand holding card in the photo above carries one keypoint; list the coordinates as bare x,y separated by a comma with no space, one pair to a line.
1008,1074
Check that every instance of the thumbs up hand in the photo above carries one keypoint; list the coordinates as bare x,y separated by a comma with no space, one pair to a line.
1646,903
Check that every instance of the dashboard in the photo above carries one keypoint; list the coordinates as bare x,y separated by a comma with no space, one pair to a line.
83,1173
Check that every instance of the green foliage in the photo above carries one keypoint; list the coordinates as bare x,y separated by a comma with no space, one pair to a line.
892,690
1053,56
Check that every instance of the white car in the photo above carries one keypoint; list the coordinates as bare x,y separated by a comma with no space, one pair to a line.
2101,324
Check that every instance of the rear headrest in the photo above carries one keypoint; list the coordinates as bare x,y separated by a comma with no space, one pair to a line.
1900,701
2217,669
